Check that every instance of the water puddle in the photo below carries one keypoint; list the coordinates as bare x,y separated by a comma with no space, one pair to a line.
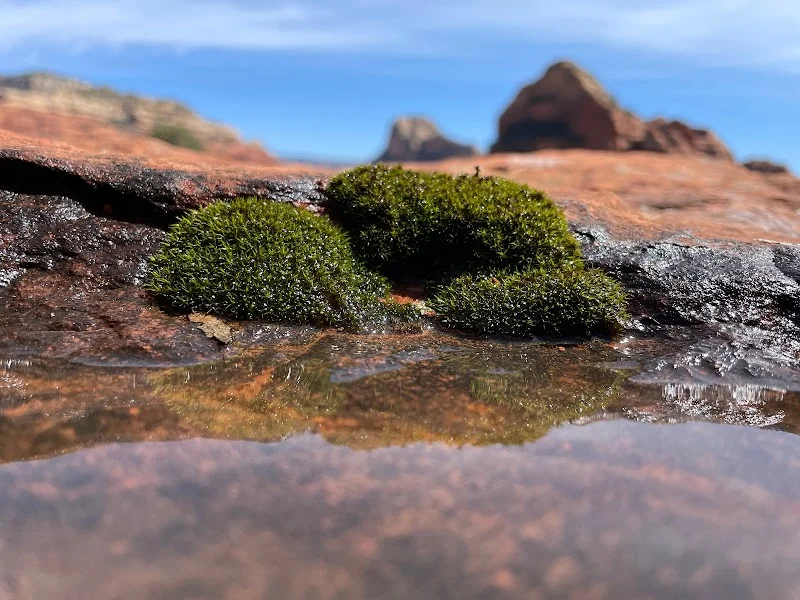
423,465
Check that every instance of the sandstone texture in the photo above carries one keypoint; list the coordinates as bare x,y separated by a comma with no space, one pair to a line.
702,245
100,119
418,139
568,108
75,232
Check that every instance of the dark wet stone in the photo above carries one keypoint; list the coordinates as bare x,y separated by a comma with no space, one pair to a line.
685,283
736,306
70,287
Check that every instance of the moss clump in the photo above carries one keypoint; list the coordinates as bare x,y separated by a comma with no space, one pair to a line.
563,301
177,135
258,259
415,225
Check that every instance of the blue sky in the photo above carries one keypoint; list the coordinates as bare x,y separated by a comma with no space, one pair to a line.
324,78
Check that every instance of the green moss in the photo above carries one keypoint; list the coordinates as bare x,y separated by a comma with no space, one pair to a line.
418,225
258,259
177,135
566,301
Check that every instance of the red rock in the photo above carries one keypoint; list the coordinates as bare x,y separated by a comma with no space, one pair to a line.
645,195
418,139
153,187
674,137
568,108
71,285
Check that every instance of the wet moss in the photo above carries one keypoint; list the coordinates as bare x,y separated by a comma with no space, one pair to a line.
415,225
555,301
258,259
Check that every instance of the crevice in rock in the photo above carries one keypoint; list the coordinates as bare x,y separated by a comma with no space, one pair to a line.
99,198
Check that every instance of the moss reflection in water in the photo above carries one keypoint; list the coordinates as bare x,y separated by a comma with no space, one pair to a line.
369,392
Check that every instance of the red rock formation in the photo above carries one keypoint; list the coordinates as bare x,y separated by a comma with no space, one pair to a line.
91,135
674,137
418,139
568,108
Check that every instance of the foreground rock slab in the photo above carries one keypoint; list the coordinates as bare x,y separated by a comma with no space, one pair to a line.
75,232
699,244
135,188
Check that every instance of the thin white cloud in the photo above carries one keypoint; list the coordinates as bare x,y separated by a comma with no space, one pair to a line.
761,33
178,23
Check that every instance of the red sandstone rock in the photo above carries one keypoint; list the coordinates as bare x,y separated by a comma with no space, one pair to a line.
644,195
96,137
153,187
418,139
674,137
76,228
568,108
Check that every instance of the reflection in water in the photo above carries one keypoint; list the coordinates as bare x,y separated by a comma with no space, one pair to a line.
600,511
735,404
610,509
9,382
361,391
371,392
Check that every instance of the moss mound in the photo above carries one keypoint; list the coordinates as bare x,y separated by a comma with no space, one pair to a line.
258,259
567,301
415,225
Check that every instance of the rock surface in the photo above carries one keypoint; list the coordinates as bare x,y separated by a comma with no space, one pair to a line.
649,196
153,190
418,139
702,246
75,231
568,108
101,119
674,137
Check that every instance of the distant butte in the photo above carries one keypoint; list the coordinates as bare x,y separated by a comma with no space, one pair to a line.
568,108
418,139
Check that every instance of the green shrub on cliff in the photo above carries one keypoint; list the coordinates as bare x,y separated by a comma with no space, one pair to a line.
549,301
416,225
177,135
258,259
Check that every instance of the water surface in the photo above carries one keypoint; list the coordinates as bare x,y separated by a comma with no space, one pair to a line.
326,465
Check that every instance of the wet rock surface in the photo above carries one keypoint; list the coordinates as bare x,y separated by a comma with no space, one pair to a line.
76,231
70,286
735,306
673,282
